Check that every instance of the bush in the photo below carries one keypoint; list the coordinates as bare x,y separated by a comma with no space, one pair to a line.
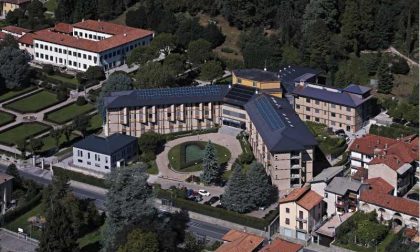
18,211
72,175
227,50
400,66
81,101
246,158
393,131
48,69
175,135
94,73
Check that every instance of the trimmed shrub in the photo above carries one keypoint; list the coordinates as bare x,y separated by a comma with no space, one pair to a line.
48,69
72,175
400,66
18,211
227,50
81,101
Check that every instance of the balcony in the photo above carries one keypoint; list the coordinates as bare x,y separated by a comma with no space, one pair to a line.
295,156
301,229
295,175
341,204
304,220
296,166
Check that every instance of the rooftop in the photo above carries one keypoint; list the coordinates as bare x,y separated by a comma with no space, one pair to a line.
15,29
289,75
329,227
357,89
63,28
341,185
330,95
402,205
239,94
278,124
256,75
328,174
106,146
103,27
238,241
360,173
379,185
164,96
280,245
295,194
309,200
27,39
5,177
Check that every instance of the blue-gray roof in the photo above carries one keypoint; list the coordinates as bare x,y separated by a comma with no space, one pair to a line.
341,185
357,89
256,74
289,75
239,95
164,96
328,174
106,146
277,123
330,95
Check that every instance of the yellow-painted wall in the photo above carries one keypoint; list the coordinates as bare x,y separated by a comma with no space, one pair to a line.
7,7
260,85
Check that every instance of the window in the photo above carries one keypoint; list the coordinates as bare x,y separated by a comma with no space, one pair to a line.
55,49
332,114
106,167
287,210
95,59
94,37
297,106
332,105
89,57
254,83
79,153
348,118
308,117
36,45
333,123
41,46
79,160
70,62
348,109
79,55
316,119
74,54
75,33
301,214
308,109
51,58
287,221
308,100
90,36
64,51
317,102
84,66
88,162
84,56
97,165
60,51
37,55
326,195
88,155
317,111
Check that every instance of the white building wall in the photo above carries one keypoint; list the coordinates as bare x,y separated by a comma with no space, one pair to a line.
91,160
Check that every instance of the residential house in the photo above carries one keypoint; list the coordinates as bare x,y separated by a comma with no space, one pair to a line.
237,241
341,195
280,245
325,234
101,154
300,213
15,31
348,109
394,160
6,188
7,6
400,211
279,139
265,81
321,180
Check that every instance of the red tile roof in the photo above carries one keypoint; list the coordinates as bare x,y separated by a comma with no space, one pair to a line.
379,185
309,200
238,241
15,29
2,35
295,194
367,144
279,245
392,161
104,27
387,201
360,173
90,45
63,28
27,39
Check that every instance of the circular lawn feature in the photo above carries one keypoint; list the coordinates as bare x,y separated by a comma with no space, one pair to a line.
188,156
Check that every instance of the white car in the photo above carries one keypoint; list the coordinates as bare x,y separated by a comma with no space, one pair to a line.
203,193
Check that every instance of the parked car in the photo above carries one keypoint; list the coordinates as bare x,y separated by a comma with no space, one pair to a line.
212,200
340,132
203,192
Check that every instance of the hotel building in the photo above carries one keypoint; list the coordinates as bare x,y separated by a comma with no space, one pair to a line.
280,140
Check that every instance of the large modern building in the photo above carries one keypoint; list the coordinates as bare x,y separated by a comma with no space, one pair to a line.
84,44
102,154
280,140
346,109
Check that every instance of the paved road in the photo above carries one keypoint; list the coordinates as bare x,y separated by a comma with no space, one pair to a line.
207,230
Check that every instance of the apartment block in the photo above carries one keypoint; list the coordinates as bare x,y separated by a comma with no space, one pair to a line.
280,140
346,109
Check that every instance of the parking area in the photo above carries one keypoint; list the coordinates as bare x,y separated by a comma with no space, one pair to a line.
12,242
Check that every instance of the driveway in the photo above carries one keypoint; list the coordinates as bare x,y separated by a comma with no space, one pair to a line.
225,140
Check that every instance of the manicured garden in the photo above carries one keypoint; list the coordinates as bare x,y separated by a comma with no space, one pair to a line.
69,112
6,118
22,131
329,143
187,157
22,222
50,143
15,93
34,103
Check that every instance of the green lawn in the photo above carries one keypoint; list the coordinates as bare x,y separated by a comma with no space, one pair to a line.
95,123
69,112
380,248
72,81
152,169
193,154
34,103
22,222
6,118
91,240
25,130
328,143
15,93
49,142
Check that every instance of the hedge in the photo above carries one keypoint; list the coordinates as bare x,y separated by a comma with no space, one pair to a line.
18,211
393,131
80,177
215,212
175,135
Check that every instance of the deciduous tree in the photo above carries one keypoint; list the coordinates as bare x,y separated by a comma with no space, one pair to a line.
199,51
211,70
14,68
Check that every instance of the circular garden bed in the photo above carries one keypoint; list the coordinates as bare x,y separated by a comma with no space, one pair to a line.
188,156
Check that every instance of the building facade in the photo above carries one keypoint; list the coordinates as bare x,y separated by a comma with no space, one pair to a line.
7,6
6,188
346,109
263,80
280,141
84,44
103,154
300,213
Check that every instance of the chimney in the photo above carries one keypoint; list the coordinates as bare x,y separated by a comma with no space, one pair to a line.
125,34
83,20
357,146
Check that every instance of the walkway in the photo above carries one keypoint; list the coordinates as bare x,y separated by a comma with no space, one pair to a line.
227,141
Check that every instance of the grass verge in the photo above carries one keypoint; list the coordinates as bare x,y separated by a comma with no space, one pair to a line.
34,103
15,93
69,112
22,131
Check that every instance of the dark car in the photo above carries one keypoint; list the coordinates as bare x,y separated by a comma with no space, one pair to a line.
212,200
340,132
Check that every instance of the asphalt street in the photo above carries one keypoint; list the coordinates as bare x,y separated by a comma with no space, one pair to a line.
207,230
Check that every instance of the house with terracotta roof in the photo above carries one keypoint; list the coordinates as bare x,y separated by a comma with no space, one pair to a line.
400,211
300,212
7,6
347,109
84,44
15,31
237,241
280,245
394,160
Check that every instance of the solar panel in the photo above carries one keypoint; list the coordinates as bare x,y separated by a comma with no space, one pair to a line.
269,113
